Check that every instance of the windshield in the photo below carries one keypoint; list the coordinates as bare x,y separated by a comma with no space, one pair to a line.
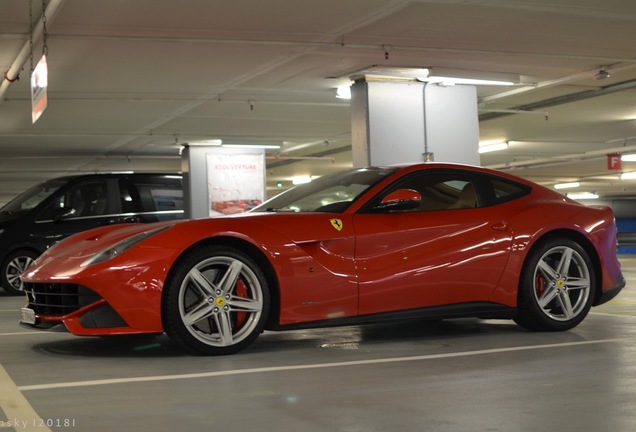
32,197
332,193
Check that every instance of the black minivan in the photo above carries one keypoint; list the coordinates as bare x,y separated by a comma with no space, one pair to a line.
52,210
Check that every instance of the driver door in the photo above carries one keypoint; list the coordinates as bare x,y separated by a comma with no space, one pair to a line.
448,250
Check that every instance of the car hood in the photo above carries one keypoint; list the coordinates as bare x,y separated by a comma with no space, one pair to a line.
87,243
7,219
295,227
257,228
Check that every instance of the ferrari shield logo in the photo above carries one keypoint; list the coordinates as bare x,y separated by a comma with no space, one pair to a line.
336,223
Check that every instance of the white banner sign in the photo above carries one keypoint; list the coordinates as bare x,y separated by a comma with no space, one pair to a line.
236,182
39,84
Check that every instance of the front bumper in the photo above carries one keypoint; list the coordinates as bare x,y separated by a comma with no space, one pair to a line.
50,305
612,292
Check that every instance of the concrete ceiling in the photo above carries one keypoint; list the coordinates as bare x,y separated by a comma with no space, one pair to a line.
130,81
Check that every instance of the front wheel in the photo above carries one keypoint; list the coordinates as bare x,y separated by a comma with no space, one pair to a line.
557,286
13,266
215,301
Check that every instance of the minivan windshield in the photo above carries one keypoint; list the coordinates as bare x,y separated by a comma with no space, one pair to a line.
30,198
332,193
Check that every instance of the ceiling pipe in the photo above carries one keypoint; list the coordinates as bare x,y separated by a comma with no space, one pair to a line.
14,70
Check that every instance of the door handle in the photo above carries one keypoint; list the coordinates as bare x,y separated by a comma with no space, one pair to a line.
132,219
501,226
111,221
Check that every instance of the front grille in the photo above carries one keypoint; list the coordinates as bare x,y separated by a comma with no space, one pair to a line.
58,299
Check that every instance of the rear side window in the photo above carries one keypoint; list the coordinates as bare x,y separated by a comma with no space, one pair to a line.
149,194
503,190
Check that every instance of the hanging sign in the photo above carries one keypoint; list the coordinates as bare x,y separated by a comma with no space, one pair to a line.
39,83
614,162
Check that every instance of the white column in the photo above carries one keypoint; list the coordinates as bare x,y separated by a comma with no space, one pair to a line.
195,183
410,121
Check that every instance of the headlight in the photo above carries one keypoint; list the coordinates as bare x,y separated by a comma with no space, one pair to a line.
122,246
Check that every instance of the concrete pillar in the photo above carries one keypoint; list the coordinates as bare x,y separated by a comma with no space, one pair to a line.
195,185
411,121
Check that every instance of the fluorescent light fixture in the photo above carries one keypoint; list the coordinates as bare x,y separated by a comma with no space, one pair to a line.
343,92
252,146
444,76
491,147
301,180
450,81
628,176
210,142
582,195
629,157
567,185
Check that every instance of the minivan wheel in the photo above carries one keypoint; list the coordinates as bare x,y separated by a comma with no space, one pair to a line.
13,266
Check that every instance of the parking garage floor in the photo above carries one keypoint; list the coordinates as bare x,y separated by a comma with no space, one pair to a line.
462,375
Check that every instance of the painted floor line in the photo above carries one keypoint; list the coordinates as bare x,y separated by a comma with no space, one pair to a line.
18,411
30,333
306,366
612,314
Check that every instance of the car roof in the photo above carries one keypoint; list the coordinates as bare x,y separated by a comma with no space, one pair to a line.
114,174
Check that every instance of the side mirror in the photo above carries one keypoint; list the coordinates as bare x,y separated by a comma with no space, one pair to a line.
401,199
61,213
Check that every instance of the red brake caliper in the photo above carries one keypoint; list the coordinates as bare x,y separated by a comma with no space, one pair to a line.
241,291
539,285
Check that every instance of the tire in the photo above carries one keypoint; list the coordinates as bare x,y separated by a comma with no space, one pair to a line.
557,286
215,301
12,267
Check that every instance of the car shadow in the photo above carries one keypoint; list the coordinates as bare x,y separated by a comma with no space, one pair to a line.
403,337
133,346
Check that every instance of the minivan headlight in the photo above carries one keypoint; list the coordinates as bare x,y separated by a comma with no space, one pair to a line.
121,246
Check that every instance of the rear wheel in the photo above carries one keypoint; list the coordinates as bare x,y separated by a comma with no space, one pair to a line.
13,266
557,286
215,301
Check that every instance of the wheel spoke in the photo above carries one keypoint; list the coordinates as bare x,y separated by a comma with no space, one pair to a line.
238,304
230,277
14,280
203,285
224,325
201,311
548,272
550,293
578,283
14,266
566,304
564,263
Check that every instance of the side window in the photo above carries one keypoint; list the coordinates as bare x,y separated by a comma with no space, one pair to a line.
505,191
166,198
443,190
85,199
146,195
128,197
